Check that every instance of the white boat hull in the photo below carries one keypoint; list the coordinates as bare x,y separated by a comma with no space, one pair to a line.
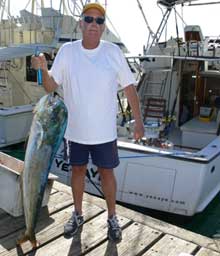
15,124
10,185
164,180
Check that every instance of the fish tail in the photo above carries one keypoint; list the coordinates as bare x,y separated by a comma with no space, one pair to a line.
26,237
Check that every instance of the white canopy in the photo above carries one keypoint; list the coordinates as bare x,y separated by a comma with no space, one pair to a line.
22,50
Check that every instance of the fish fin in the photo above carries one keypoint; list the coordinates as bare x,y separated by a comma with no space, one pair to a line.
34,244
22,239
40,141
37,106
25,237
41,135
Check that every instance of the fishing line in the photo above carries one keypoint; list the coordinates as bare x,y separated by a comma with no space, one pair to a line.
93,183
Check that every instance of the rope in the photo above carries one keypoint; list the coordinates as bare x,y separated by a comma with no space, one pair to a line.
93,183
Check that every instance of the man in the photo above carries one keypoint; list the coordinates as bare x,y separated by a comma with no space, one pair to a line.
89,71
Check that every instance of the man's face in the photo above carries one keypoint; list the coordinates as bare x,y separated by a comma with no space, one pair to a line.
92,30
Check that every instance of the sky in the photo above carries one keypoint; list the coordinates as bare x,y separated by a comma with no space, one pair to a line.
126,17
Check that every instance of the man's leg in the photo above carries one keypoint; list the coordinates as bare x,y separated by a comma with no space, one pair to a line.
78,185
109,186
108,183
76,220
105,156
78,157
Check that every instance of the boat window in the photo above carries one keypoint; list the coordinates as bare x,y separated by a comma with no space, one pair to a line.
192,36
31,74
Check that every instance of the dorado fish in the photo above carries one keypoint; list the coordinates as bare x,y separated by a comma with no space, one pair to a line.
46,133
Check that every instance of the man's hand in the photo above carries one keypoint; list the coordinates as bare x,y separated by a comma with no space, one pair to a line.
138,130
39,62
131,94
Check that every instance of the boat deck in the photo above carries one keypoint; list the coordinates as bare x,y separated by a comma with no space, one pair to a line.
142,235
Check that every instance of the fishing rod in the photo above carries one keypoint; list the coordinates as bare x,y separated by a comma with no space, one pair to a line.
207,3
122,111
176,97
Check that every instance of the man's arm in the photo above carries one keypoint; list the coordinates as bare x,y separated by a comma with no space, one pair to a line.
133,100
40,62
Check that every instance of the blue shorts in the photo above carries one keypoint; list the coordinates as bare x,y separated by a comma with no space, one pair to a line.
103,155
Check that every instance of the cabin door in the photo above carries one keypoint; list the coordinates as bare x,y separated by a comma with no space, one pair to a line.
191,93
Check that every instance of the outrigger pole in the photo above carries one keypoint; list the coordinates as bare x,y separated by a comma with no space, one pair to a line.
204,3
145,19
161,27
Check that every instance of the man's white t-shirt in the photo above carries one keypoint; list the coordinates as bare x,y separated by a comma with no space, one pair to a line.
90,80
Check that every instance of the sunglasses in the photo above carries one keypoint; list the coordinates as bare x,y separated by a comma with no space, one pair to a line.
90,19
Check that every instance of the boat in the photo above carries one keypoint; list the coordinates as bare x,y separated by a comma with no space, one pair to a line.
18,93
20,37
175,168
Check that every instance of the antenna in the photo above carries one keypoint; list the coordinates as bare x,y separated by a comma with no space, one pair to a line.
5,8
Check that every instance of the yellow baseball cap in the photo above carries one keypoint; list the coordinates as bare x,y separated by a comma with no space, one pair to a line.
94,6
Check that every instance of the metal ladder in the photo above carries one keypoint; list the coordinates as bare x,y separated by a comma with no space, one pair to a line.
153,88
155,108
5,92
4,74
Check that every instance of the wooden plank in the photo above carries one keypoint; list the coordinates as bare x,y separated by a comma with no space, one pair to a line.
92,234
62,187
10,224
53,191
58,201
135,238
158,224
207,252
149,221
170,246
48,228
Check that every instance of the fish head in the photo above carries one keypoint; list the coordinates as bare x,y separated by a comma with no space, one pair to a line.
51,112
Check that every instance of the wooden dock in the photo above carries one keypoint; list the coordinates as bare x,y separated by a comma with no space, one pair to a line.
142,235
